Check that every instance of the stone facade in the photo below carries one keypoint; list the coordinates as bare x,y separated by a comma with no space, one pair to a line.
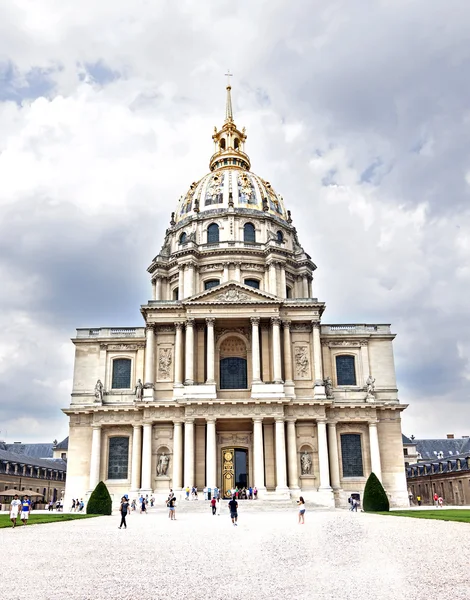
234,379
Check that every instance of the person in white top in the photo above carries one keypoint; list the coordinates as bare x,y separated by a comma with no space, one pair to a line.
14,508
219,504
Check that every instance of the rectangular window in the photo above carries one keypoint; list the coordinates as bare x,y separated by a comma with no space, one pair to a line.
118,459
121,374
345,370
351,454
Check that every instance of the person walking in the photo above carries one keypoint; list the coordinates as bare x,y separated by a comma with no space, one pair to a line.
14,508
301,505
143,506
25,509
219,504
436,499
213,506
172,508
233,508
418,499
124,509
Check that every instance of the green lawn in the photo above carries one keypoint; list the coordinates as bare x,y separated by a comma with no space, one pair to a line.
436,513
39,519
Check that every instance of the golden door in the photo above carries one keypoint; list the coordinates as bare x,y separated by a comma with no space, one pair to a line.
228,471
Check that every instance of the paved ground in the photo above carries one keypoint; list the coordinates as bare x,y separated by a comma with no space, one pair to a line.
335,555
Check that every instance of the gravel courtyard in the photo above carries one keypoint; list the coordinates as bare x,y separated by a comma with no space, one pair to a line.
335,555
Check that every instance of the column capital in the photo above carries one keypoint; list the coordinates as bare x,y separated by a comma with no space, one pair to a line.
211,420
373,422
179,325
255,320
149,424
291,419
332,422
182,266
190,322
257,419
189,421
276,321
286,323
137,426
316,324
150,327
96,426
210,321
321,420
363,342
279,419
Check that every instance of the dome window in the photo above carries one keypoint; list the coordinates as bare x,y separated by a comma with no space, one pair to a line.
183,238
280,237
249,233
236,144
254,283
210,283
213,234
222,144
175,293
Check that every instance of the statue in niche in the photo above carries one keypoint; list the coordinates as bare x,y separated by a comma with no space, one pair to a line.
306,463
370,386
162,466
328,387
301,361
164,363
99,390
139,390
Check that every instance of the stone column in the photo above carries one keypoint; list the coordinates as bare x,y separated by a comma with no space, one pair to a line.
288,376
225,276
177,455
365,360
323,455
293,471
149,375
281,472
310,279
189,289
136,464
277,370
178,376
258,454
180,282
188,453
189,359
238,271
95,459
282,274
334,458
319,386
210,351
158,289
304,286
272,278
211,455
147,458
375,462
255,356
154,289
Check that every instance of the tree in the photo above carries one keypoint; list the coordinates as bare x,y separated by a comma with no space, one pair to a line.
100,501
375,499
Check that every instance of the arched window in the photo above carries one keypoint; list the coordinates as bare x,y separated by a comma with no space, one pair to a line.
213,234
121,374
176,292
118,457
249,234
254,283
280,237
345,370
236,143
210,283
183,238
222,144
351,454
233,364
288,292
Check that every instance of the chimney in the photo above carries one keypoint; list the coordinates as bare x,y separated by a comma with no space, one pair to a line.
450,436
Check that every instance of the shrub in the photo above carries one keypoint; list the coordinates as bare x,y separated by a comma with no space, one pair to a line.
99,502
375,499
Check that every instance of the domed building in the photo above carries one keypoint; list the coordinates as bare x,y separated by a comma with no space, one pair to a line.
234,380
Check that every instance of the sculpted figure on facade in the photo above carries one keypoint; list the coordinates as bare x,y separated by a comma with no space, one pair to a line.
232,295
139,390
328,387
301,361
99,391
306,463
163,463
164,363
370,387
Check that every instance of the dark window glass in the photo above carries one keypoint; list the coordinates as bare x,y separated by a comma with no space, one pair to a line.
183,238
241,470
351,454
249,234
213,234
211,283
288,292
345,371
118,459
175,293
121,373
254,283
233,373
280,237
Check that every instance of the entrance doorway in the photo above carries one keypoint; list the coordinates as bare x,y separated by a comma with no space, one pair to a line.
234,470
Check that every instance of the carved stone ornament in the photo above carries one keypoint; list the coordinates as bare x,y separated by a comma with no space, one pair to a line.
220,332
162,465
165,329
344,343
214,267
306,463
301,361
233,295
301,327
119,347
165,359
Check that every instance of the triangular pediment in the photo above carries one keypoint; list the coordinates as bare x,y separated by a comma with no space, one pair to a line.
233,292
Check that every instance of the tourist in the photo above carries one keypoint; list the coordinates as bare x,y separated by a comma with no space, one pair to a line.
143,506
204,491
250,493
81,505
14,508
25,509
77,505
152,502
233,508
73,505
301,504
187,492
51,506
219,504
255,492
436,499
124,509
172,508
133,504
354,504
440,501
350,501
418,499
213,506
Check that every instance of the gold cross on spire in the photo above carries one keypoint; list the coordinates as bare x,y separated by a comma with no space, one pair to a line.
228,106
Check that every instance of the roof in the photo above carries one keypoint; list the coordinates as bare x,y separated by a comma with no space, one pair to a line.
42,450
63,445
406,440
47,463
430,449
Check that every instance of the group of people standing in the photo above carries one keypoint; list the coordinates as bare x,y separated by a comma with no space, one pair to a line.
23,507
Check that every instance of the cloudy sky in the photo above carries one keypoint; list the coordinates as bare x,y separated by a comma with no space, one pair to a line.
357,112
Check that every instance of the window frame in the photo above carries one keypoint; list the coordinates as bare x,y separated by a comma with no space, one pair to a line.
249,226
348,355
120,435
206,281
258,281
213,227
112,356
361,445
183,238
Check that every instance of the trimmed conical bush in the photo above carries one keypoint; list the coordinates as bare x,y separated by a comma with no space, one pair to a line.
375,499
100,501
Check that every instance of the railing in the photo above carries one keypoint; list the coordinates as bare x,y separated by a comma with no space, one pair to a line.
111,332
356,328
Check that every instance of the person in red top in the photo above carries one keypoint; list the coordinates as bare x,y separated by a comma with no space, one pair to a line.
213,505
436,498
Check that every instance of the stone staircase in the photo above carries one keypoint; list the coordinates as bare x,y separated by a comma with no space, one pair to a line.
259,505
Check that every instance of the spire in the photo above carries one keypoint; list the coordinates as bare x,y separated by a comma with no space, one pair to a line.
228,105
